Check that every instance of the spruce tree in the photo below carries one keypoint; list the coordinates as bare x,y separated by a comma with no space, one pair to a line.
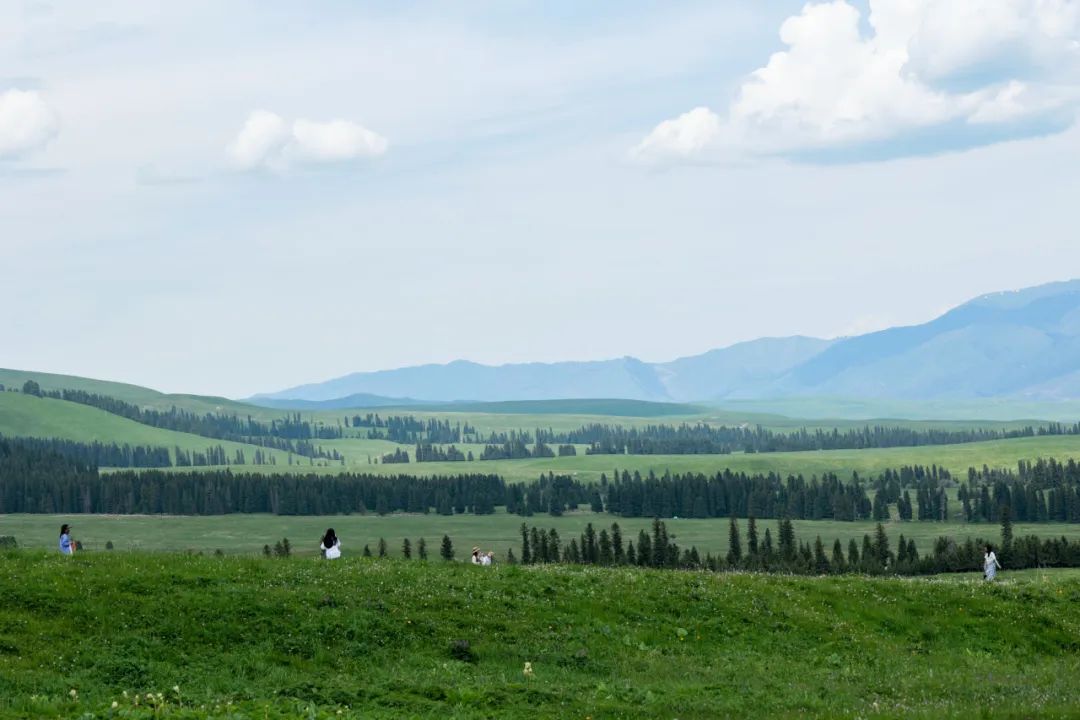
510,559
553,546
421,549
881,546
734,553
617,544
821,563
447,549
631,554
382,547
751,537
367,551
526,553
604,554
852,554
406,549
1006,531
838,563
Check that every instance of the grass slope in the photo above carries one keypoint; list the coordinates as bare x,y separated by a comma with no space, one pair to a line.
253,638
29,416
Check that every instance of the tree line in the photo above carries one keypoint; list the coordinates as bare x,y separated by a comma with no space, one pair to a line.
875,555
1043,491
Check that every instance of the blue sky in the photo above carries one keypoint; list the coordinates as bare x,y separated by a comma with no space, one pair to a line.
233,197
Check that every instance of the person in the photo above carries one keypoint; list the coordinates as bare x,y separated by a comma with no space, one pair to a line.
476,556
67,545
990,563
486,558
330,545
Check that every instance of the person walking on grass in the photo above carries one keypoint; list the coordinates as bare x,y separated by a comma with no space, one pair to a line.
67,545
990,563
330,545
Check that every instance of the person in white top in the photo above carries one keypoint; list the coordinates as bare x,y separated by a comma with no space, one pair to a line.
330,545
990,564
485,558
476,556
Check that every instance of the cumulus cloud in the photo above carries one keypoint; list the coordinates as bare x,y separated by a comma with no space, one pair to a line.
267,141
27,123
923,76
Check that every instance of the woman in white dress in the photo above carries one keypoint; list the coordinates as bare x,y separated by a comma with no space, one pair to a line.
990,563
330,545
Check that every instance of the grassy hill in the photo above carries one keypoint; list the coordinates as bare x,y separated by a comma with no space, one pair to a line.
254,638
30,416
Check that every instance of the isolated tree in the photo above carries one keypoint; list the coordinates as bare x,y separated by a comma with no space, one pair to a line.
367,551
406,549
447,549
382,548
421,549
510,559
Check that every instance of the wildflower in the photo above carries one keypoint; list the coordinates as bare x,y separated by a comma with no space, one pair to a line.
176,689
74,694
528,671
115,704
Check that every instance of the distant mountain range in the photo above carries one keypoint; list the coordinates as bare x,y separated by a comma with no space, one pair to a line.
1022,345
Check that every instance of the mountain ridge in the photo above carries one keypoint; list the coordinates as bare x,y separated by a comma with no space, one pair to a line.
1009,344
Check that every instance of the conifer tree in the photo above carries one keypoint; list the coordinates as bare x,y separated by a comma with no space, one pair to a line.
644,549
751,537
447,549
821,563
631,554
617,544
526,553
734,553
1006,531
367,551
406,549
604,554
852,554
553,546
421,549
838,563
573,554
510,559
382,547
788,549
881,545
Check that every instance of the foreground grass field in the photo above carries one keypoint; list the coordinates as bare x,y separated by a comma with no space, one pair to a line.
254,638
246,534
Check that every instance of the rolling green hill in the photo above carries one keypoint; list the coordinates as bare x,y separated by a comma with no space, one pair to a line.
29,416
90,636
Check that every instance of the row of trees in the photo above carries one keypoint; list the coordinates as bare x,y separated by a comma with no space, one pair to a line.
874,555
1046,490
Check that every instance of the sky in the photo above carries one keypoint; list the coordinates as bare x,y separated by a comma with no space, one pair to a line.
232,197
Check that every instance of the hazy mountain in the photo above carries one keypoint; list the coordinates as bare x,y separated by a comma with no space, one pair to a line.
1023,344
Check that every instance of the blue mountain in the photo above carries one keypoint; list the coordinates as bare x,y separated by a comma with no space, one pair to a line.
1021,344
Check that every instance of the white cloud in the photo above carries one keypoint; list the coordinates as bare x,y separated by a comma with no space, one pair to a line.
267,141
27,123
930,75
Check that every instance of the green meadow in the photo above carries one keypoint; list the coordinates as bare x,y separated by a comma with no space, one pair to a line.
136,635
247,534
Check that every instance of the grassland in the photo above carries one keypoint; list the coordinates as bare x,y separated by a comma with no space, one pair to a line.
246,534
26,415
255,638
